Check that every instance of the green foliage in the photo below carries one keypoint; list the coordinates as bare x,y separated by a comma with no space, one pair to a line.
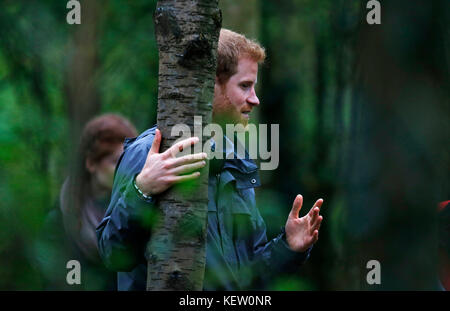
291,283
322,82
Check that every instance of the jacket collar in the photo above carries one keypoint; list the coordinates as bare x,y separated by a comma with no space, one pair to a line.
235,165
235,156
129,141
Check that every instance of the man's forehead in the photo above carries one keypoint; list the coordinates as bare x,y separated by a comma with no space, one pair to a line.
247,61
247,69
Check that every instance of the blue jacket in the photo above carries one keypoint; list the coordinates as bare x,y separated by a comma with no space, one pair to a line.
238,254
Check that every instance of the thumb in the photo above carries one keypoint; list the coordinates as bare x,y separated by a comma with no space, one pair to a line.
156,143
296,206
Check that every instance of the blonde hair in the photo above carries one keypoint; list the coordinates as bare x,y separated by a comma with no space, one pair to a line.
231,47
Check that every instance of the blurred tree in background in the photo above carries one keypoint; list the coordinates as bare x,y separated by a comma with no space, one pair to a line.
53,78
363,113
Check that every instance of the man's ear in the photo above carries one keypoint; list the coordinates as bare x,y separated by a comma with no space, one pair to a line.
90,165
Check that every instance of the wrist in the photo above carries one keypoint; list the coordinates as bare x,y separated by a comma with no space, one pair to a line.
285,240
146,196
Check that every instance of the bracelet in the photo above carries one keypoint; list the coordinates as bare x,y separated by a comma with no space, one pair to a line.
146,197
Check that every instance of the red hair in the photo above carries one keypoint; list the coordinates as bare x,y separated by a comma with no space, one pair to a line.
231,47
101,135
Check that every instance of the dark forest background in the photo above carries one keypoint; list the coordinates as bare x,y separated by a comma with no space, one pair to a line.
363,113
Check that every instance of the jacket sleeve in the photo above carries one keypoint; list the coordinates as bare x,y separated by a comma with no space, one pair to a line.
276,255
125,228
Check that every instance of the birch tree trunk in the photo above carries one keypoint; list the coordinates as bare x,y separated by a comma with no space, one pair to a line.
187,33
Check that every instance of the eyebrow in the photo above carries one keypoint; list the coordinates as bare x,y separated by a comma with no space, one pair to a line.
249,81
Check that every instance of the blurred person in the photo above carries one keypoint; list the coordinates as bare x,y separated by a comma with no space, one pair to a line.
238,253
70,228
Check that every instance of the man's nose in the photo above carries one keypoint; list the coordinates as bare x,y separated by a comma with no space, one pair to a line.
253,99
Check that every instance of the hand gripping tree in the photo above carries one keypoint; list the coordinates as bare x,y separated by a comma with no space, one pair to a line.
187,33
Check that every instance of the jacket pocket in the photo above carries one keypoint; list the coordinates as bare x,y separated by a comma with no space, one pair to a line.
244,222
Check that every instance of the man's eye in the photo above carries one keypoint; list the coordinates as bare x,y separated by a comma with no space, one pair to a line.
245,85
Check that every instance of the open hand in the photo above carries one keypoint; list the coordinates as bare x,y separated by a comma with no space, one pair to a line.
302,233
162,170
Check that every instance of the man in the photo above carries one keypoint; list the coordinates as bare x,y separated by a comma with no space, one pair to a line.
238,255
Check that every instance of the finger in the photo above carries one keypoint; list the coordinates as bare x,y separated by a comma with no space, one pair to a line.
156,143
314,213
187,159
319,203
296,206
315,236
181,145
183,169
317,223
182,178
